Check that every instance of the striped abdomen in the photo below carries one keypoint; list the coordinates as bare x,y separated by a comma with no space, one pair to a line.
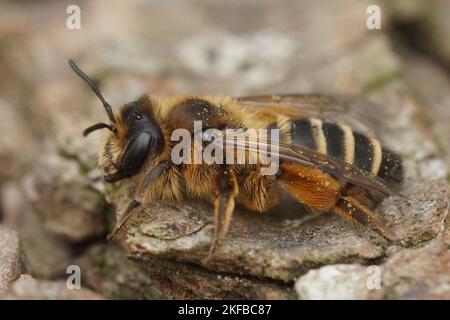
340,141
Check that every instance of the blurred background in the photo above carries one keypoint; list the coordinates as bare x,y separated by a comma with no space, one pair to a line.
230,47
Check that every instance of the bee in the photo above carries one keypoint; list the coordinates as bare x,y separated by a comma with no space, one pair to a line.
324,164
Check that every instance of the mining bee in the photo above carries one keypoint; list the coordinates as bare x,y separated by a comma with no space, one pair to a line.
324,164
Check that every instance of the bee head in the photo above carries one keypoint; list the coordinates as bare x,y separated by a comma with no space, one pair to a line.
135,136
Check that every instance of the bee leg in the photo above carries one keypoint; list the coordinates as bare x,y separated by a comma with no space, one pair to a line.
369,200
154,174
227,190
133,204
352,210
127,213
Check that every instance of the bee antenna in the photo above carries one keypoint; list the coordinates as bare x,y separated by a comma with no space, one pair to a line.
97,126
94,88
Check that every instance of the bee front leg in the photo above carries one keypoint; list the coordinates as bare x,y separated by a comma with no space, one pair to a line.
227,190
154,174
124,217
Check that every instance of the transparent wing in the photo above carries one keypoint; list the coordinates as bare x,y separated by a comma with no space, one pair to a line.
337,168
356,112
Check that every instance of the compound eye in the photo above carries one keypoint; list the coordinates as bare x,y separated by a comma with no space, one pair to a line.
135,154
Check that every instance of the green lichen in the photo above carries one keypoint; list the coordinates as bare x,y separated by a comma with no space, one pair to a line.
379,81
83,167
417,238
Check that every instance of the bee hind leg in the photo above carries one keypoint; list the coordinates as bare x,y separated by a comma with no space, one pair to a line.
227,190
352,210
